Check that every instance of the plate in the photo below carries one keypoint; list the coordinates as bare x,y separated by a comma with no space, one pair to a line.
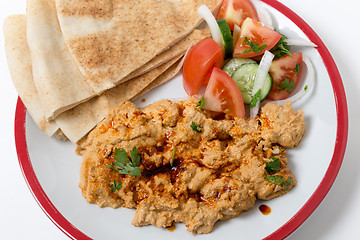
51,168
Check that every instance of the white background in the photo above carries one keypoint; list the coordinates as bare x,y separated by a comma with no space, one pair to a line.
337,24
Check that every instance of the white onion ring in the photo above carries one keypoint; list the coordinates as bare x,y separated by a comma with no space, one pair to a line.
298,42
309,82
205,13
236,33
265,18
260,77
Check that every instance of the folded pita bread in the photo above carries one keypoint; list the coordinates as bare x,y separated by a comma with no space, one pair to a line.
111,39
19,61
58,80
56,68
177,49
161,79
78,121
59,83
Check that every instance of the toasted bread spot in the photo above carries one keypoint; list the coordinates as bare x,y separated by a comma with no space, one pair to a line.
99,9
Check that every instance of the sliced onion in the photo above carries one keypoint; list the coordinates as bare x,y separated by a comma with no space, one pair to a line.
298,42
204,12
260,77
236,32
265,18
309,82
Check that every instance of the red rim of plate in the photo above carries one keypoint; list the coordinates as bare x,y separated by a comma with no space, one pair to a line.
291,225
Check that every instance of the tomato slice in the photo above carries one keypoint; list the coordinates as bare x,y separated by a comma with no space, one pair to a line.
222,95
236,11
254,33
286,73
198,64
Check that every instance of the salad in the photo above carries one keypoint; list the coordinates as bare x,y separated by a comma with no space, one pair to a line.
245,62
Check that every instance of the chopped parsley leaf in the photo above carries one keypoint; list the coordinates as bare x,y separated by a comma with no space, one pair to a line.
287,183
280,181
297,69
255,98
254,47
306,88
277,179
124,165
116,186
287,85
273,166
200,104
281,48
196,128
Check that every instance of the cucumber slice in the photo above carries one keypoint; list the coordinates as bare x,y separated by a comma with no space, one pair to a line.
244,77
226,37
231,65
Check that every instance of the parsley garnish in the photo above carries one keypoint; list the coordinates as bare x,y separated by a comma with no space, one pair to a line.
200,103
281,48
287,85
297,69
277,179
255,98
116,186
124,165
196,128
288,182
254,47
273,166
280,181
306,88
173,156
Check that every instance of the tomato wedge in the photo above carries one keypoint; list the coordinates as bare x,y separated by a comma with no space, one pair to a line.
286,73
199,62
236,11
254,39
222,95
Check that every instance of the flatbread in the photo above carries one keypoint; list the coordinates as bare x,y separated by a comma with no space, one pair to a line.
163,78
177,49
19,61
50,69
110,39
58,79
59,83
77,122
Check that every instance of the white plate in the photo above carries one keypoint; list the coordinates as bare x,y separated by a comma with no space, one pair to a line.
51,167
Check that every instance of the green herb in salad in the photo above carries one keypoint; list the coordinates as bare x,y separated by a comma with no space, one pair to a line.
255,98
196,128
273,166
287,85
116,186
254,47
124,165
281,48
297,69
